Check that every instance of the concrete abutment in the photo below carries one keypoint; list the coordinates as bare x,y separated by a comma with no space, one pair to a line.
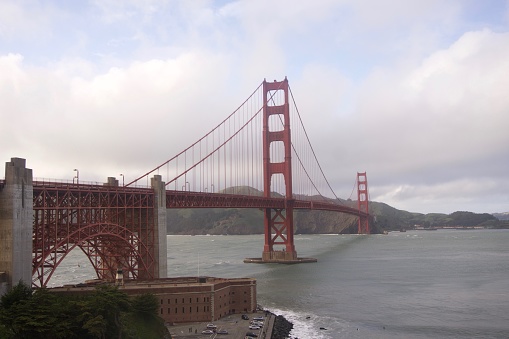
16,224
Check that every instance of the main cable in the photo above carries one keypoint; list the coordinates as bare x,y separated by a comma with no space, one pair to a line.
311,146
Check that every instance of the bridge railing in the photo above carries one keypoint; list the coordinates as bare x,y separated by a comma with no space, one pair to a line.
88,185
50,181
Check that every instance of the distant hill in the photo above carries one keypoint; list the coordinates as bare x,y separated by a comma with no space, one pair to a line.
250,221
501,216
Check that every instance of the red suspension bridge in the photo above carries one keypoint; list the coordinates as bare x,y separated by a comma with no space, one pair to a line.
252,159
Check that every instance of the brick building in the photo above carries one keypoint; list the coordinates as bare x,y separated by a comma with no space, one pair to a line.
189,299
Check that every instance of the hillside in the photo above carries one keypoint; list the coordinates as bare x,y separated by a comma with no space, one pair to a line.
501,216
250,221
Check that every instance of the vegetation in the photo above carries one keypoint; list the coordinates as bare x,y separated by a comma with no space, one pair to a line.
105,313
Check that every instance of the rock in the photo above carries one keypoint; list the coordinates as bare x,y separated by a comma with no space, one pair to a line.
282,328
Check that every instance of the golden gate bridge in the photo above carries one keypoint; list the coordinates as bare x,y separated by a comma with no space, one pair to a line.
252,159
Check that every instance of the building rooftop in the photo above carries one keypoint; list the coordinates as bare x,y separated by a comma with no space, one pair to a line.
154,283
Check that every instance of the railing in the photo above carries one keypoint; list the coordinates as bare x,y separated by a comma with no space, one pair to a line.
59,182
91,185
85,185
50,181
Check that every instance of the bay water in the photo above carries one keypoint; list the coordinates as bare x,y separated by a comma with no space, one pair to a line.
414,284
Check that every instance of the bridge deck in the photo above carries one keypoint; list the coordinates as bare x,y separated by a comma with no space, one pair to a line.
185,199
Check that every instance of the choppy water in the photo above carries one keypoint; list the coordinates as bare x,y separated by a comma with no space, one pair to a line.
417,284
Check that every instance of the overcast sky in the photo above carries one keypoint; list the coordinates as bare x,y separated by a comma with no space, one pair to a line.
415,93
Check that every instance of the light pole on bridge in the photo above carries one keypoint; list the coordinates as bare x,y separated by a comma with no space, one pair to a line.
77,176
123,183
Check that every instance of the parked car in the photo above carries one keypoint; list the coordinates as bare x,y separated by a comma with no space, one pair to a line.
251,334
211,326
254,327
245,317
259,318
223,331
207,332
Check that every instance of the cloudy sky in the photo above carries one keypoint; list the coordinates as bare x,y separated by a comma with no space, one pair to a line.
416,93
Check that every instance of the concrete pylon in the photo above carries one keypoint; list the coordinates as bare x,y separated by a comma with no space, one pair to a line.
16,223
160,226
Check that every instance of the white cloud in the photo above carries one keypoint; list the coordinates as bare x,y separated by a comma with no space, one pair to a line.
447,197
437,124
453,102
395,88
134,115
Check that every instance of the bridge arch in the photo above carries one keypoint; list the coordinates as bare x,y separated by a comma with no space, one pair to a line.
108,246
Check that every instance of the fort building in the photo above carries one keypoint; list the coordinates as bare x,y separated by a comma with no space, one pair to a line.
187,299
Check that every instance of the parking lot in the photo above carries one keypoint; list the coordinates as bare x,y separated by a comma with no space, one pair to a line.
234,324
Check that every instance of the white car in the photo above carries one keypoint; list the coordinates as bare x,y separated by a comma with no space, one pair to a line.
211,326
207,332
254,327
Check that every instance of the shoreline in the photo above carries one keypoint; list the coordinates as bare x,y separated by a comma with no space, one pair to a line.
274,327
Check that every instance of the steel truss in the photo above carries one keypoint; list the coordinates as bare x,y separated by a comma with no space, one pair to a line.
186,199
113,226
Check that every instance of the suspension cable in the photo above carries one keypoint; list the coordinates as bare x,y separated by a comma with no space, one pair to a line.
205,136
310,145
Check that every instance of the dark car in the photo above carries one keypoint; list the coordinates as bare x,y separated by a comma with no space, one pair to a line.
245,317
251,334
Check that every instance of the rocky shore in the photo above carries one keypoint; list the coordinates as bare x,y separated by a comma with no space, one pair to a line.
282,328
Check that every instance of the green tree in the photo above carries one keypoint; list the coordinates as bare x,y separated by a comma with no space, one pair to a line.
105,308
9,303
43,315
19,292
145,306
105,313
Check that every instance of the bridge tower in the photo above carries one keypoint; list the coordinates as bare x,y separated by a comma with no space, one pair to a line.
362,202
16,219
278,222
